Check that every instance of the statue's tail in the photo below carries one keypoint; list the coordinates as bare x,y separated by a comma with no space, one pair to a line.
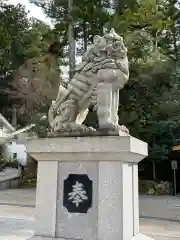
63,94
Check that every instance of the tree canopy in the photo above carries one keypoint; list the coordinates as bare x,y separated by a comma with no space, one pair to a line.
24,45
149,103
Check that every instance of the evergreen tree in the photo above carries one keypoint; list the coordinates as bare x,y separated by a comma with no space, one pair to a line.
149,103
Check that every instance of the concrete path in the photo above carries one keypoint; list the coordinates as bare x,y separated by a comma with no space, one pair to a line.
19,223
160,230
17,215
158,207
19,197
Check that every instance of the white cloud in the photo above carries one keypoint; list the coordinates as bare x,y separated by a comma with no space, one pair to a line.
32,9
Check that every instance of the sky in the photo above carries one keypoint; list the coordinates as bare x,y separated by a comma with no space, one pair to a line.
33,10
38,13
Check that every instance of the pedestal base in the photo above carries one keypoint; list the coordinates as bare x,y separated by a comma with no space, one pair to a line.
141,236
26,237
137,237
92,189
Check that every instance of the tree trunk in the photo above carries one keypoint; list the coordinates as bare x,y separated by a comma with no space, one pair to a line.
85,36
71,39
119,5
154,170
101,32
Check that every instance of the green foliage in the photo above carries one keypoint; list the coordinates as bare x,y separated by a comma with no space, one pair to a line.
88,18
11,36
24,47
149,103
5,162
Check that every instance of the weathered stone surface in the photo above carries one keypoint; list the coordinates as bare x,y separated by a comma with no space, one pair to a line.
97,133
9,178
107,209
9,136
15,183
4,185
97,80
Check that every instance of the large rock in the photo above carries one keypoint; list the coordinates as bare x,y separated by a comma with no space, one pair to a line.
164,188
10,178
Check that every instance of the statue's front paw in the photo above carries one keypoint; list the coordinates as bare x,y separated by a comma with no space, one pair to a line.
123,128
109,126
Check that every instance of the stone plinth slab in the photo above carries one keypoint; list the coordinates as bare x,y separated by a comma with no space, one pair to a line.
113,148
87,187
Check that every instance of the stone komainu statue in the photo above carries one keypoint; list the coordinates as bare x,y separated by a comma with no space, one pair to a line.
97,80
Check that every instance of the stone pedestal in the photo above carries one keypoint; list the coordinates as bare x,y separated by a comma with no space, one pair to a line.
87,188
